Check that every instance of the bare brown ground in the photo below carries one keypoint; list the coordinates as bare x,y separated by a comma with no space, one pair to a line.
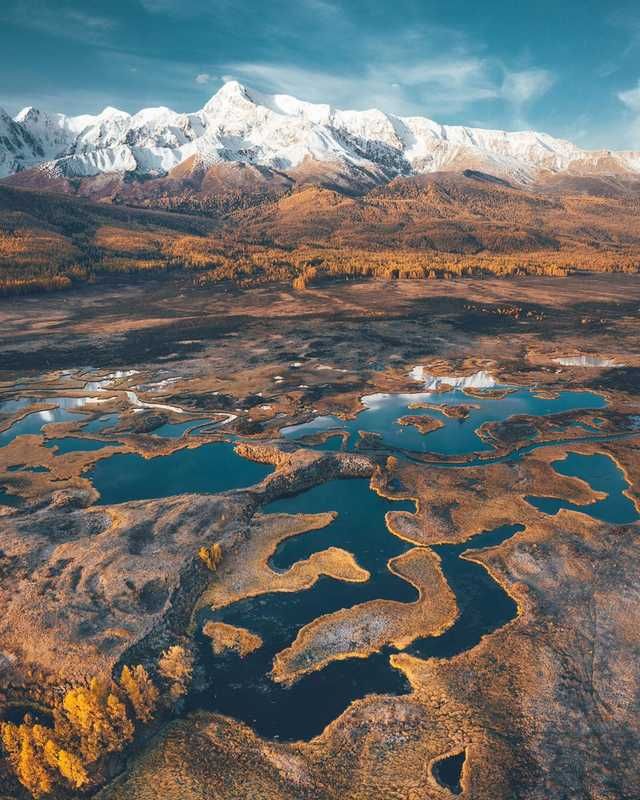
246,572
422,424
229,637
363,629
453,505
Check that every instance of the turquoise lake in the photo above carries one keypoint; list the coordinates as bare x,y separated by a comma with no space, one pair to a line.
457,437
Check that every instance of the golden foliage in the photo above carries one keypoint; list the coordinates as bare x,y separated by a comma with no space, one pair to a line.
34,247
72,769
406,230
99,718
141,691
89,723
211,556
24,745
176,666
130,241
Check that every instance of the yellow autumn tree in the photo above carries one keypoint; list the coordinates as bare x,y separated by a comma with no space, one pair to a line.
176,666
211,556
99,718
72,769
27,758
141,691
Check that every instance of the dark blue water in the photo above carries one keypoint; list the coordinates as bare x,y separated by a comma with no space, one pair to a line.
484,605
7,499
448,772
71,444
100,424
360,528
457,436
173,430
242,688
207,469
602,474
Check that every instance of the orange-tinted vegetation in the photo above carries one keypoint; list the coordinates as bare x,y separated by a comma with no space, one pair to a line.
91,723
421,228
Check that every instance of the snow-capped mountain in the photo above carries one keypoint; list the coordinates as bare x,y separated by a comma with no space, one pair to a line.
283,133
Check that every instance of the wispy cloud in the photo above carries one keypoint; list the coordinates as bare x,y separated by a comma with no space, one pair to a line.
526,85
426,68
631,100
629,22
62,21
418,67
437,86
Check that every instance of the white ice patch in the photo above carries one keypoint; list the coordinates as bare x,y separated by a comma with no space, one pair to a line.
133,398
228,418
586,361
478,380
108,380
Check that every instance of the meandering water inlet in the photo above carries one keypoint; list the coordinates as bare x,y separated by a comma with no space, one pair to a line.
242,687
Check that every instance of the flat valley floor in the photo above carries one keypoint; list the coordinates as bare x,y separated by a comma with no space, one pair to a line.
387,620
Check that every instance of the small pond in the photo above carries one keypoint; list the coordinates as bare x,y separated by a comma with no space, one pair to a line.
206,469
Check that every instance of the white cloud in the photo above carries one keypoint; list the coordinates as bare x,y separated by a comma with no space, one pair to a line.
439,86
203,78
67,23
631,98
526,85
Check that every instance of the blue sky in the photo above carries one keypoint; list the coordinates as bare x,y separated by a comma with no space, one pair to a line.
569,67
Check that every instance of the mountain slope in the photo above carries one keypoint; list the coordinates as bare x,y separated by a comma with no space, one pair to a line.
354,150
445,212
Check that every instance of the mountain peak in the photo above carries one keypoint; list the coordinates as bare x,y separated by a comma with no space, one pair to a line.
230,92
109,112
26,113
241,125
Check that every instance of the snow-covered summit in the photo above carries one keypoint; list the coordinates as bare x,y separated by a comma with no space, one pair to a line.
239,124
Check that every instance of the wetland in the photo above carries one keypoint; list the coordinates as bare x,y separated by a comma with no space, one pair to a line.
344,580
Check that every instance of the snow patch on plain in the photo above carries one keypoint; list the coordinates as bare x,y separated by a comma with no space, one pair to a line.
431,383
586,361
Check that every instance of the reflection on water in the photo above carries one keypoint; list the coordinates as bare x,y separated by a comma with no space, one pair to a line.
34,423
587,361
458,436
11,406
